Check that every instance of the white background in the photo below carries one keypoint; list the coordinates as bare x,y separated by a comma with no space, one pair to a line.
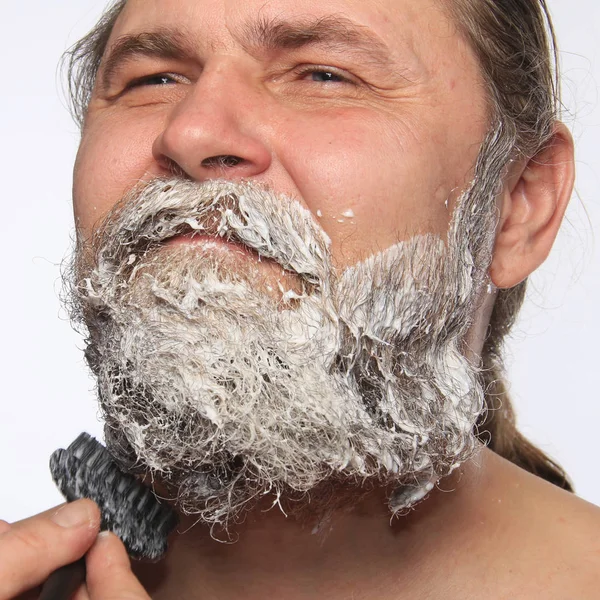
46,394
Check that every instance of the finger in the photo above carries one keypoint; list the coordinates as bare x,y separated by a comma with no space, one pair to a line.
33,594
31,549
109,575
81,593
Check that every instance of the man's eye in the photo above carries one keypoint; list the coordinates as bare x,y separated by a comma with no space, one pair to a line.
150,80
323,75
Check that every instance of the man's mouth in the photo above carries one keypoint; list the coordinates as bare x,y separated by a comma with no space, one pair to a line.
277,281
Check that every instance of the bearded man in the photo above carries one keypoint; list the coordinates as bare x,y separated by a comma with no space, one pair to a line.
303,232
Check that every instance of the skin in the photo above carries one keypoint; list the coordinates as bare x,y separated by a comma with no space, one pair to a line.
320,142
393,145
33,548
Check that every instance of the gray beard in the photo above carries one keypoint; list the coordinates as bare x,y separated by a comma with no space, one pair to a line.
226,395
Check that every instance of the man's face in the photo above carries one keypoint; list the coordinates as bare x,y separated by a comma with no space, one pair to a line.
208,377
370,114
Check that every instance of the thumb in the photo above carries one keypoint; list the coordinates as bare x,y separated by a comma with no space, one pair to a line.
109,575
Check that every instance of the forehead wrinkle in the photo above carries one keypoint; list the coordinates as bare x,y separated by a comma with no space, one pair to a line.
336,32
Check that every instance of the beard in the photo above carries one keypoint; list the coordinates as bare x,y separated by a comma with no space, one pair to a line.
227,393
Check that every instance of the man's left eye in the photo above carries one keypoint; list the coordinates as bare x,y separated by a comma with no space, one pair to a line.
323,75
149,80
326,76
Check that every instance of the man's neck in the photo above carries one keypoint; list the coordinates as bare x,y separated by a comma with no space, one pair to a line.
361,553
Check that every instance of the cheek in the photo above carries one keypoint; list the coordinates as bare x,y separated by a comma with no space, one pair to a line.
370,184
111,158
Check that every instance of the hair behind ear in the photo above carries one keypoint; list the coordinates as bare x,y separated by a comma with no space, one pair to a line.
497,427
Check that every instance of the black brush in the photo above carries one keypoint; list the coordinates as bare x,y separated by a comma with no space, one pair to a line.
129,509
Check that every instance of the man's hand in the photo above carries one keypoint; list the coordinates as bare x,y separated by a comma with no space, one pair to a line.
33,548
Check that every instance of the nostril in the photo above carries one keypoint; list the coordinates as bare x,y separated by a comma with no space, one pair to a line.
174,169
222,161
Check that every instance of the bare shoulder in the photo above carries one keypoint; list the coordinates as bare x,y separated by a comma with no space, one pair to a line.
576,545
554,535
578,539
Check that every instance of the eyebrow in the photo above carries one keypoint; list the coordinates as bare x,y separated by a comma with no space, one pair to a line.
161,43
334,32
263,35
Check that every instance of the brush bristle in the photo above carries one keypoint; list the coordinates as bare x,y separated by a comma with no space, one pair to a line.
129,509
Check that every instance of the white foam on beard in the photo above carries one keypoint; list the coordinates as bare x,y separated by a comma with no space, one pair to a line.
226,394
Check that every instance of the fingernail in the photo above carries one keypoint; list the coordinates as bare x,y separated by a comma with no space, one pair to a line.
102,537
73,514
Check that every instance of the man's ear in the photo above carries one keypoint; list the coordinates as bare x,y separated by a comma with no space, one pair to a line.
533,204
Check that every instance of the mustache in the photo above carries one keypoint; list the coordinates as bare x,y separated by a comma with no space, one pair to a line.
272,225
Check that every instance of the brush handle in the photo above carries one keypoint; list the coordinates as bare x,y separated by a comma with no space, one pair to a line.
64,582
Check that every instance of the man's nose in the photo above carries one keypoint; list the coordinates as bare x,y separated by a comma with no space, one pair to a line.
214,132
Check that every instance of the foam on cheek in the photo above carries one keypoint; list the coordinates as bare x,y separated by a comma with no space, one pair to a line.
370,308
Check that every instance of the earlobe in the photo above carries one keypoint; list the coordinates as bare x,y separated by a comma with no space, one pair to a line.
533,205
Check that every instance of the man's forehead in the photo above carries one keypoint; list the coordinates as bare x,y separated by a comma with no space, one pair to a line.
397,23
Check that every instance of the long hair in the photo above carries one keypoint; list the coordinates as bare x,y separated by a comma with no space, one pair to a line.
515,44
